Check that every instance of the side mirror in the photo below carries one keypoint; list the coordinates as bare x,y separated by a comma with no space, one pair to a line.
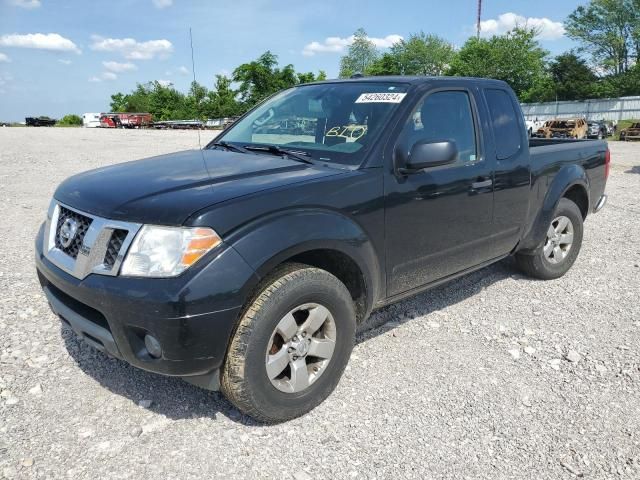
425,154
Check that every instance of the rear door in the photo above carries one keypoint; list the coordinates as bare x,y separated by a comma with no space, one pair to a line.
512,178
438,221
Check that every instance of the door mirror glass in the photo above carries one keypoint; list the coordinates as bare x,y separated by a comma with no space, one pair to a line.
431,153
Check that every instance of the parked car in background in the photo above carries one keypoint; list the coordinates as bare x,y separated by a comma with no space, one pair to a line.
631,133
564,128
91,120
611,128
596,129
40,122
533,126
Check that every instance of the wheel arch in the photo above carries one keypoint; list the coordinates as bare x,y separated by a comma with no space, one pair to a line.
320,238
571,182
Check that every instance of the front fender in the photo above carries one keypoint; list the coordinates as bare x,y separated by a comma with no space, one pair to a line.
567,177
266,243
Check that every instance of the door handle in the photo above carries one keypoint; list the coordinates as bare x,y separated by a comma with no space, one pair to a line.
482,183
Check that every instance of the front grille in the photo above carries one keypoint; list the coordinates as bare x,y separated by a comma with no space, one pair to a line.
83,224
114,246
81,244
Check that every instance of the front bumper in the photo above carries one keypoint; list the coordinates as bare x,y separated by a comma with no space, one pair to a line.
192,315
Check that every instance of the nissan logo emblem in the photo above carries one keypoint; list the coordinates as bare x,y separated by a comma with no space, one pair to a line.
67,232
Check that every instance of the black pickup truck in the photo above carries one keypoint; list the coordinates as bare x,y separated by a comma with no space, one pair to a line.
247,266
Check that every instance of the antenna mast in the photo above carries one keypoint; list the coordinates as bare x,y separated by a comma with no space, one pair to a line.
478,20
193,69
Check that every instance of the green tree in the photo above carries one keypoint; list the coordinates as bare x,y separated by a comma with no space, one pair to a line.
70,120
221,101
515,57
262,77
195,101
423,54
118,102
572,77
361,55
622,85
309,77
568,78
387,64
609,30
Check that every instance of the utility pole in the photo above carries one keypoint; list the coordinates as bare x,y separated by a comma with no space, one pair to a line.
478,20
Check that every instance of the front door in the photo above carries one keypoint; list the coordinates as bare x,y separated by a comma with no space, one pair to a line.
439,221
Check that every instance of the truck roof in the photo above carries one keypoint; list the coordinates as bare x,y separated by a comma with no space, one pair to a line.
413,80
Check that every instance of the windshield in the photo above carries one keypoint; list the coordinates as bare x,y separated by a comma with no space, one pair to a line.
330,122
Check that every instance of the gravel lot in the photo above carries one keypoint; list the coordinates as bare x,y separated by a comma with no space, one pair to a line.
491,376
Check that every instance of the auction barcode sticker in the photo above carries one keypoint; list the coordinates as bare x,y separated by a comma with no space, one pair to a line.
381,98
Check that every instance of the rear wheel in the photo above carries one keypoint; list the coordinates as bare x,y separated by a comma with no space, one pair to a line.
291,346
560,247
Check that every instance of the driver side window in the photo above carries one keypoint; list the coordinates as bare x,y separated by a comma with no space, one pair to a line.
443,116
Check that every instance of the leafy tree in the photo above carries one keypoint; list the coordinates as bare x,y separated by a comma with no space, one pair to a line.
568,77
309,77
361,55
515,57
221,101
70,120
256,79
262,77
609,30
387,64
624,84
118,102
573,79
195,100
423,54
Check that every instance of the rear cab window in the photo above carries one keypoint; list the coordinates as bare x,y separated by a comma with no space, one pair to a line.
504,122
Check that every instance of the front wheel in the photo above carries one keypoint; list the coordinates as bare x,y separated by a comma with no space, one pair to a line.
561,246
291,345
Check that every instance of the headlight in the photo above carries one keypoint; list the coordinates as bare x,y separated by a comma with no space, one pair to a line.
167,251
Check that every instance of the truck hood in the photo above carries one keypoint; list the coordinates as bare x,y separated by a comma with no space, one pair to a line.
166,190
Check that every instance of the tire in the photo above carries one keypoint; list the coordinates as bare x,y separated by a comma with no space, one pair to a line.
297,292
555,256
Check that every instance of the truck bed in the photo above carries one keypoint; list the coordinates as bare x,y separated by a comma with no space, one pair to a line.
550,155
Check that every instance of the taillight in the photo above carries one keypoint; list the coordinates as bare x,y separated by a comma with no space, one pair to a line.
607,164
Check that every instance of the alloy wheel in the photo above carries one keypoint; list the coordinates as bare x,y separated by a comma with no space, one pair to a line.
559,240
300,348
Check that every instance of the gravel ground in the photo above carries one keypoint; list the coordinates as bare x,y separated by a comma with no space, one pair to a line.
491,376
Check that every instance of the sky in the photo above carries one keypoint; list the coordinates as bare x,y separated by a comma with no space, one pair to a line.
59,57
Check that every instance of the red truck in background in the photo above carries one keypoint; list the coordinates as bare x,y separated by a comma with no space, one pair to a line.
125,120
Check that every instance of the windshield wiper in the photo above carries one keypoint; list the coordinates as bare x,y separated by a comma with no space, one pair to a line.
298,156
230,146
